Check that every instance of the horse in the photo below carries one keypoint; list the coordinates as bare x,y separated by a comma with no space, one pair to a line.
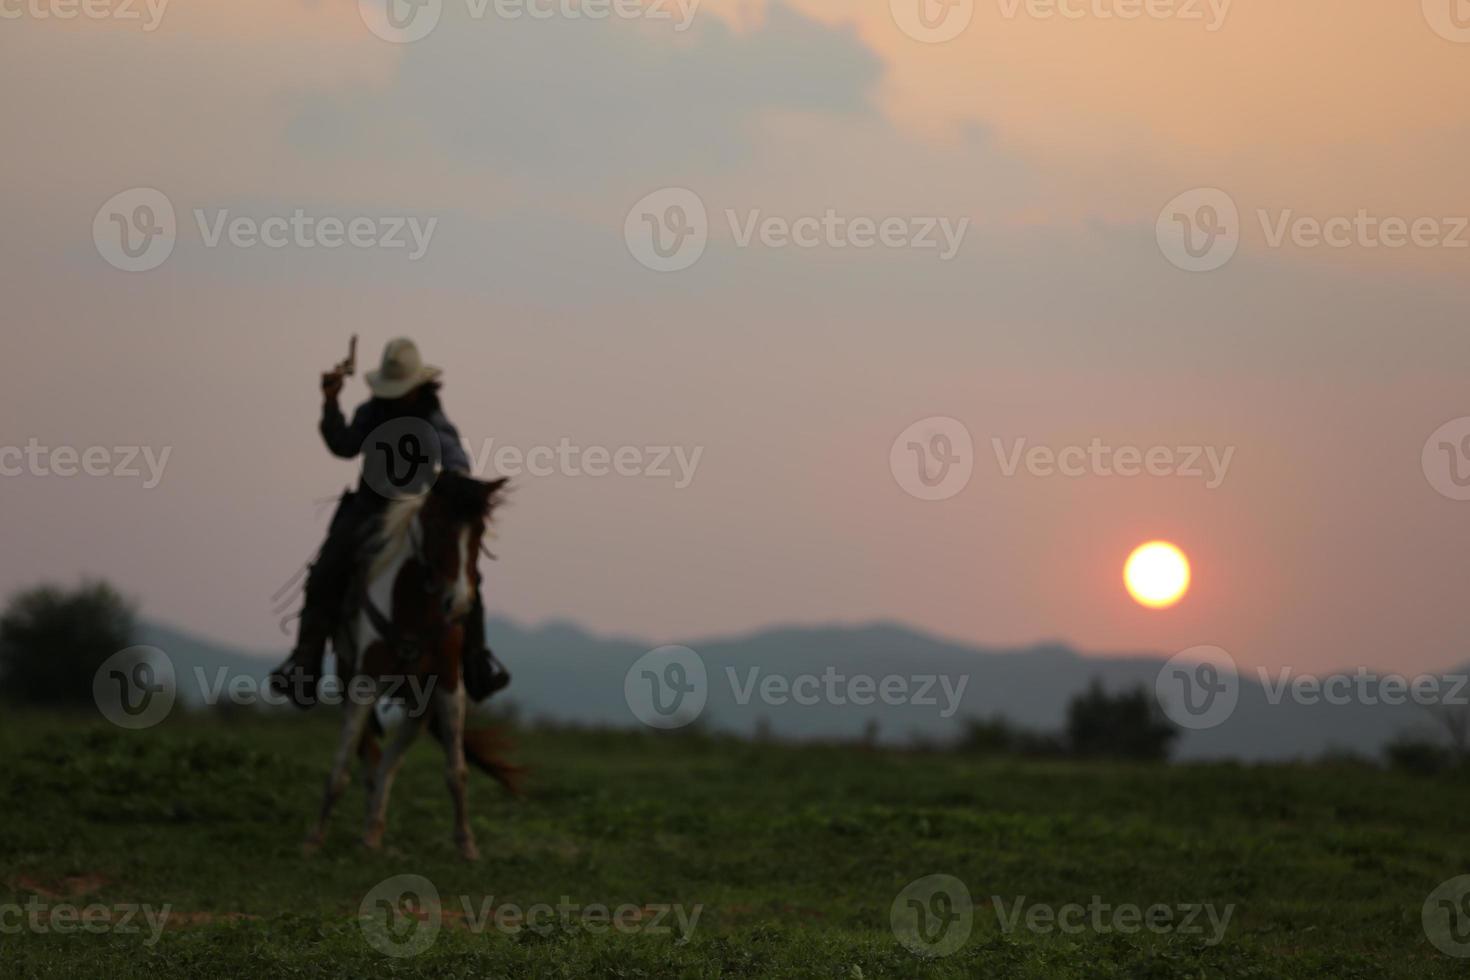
403,640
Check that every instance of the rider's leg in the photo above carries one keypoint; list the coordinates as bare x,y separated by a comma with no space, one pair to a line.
326,586
483,673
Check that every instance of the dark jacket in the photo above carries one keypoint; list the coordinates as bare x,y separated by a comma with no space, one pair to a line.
345,439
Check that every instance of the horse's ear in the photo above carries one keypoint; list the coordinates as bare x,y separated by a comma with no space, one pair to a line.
493,497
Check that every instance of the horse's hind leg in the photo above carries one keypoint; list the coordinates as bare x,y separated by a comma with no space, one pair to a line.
377,813
449,707
354,721
370,754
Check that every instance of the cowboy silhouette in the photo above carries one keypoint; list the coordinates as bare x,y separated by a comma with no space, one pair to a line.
401,433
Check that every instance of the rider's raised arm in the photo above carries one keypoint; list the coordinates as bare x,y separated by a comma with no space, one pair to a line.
342,439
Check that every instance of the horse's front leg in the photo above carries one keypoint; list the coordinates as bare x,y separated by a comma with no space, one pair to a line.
354,722
449,706
377,811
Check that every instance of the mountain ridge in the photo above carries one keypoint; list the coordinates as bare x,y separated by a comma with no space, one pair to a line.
564,673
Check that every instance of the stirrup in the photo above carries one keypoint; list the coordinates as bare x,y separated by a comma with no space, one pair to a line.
499,676
293,680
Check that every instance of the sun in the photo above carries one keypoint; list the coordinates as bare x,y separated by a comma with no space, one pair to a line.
1157,574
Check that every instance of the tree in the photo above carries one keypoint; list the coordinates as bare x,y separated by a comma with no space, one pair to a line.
1126,725
53,640
1454,718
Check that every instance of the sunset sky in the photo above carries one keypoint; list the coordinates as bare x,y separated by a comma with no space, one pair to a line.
1056,142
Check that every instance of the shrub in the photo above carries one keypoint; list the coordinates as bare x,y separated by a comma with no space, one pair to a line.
1126,725
999,736
53,640
1420,756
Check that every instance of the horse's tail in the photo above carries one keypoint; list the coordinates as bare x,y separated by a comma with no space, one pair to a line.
483,748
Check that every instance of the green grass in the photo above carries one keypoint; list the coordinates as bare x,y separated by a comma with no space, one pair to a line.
795,856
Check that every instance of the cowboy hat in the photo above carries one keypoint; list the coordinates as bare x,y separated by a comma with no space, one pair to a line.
401,371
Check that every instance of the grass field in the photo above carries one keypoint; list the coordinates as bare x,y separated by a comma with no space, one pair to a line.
792,858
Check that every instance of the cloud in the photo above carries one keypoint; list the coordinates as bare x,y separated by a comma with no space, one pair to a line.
591,100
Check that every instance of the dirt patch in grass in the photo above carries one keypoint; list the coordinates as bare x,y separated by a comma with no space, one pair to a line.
71,886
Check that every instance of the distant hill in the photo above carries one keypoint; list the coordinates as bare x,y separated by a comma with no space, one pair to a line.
565,674
190,654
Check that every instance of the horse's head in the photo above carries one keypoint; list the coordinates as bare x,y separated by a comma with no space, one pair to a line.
452,525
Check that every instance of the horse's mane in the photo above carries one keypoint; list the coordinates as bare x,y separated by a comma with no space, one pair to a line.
394,529
467,499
